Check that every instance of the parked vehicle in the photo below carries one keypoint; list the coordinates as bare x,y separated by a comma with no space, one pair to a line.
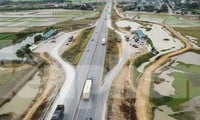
70,39
135,46
58,113
87,89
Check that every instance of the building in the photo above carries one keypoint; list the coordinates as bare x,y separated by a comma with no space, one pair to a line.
140,34
50,33
33,47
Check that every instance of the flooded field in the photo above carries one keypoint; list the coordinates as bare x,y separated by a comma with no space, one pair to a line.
179,80
23,98
24,19
172,20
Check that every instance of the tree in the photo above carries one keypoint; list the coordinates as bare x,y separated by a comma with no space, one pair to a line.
20,53
163,8
24,52
37,38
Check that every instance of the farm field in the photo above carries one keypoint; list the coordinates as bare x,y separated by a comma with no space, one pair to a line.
190,31
172,20
6,39
17,21
65,0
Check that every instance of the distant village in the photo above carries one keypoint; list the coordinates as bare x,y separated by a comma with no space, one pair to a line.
175,6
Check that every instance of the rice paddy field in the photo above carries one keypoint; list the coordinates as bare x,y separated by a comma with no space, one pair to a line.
172,20
76,1
18,21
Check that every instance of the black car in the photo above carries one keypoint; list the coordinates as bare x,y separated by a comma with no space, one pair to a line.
88,118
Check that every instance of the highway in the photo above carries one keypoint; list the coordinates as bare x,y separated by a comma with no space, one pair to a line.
91,65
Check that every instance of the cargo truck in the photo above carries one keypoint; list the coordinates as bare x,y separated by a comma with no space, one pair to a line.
87,89
58,113
103,42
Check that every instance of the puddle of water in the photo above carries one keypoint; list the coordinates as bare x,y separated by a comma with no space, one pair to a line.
157,35
165,88
126,23
23,98
162,113
189,58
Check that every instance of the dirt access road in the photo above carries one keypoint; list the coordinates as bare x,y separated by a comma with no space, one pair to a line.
142,104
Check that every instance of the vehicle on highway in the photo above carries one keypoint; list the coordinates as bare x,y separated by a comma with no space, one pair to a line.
88,119
87,89
103,42
58,113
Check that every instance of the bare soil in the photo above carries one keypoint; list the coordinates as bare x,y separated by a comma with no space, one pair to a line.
142,104
122,97
12,78
52,81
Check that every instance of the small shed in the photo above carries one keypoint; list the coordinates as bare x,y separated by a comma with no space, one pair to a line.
140,34
50,33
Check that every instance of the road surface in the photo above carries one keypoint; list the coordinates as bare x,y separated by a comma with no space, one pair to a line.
91,65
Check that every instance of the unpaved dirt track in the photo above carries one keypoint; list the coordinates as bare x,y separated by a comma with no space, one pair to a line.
122,93
52,78
142,104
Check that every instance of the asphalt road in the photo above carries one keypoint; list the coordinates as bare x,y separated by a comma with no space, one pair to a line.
90,65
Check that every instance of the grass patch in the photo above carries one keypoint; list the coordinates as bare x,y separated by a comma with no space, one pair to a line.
112,52
115,18
74,54
187,115
143,58
186,84
151,44
191,31
7,36
7,39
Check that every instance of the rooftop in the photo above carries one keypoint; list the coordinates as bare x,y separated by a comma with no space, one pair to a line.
140,33
49,33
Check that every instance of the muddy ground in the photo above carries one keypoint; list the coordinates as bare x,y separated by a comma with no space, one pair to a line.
51,79
122,96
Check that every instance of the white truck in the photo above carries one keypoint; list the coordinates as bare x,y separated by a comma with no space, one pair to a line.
103,42
87,89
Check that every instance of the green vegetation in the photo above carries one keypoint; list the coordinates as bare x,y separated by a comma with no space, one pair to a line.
112,52
71,25
7,39
7,36
163,8
74,54
37,38
151,44
24,52
187,115
191,31
158,99
115,18
143,58
186,84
